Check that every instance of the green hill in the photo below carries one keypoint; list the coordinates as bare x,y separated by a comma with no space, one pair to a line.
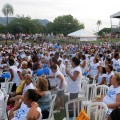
3,20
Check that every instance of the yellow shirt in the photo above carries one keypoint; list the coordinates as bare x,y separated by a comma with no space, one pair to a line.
20,87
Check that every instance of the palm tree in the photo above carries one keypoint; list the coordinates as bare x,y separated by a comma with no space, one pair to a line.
99,22
7,10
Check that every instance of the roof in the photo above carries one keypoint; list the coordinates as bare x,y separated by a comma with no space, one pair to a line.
116,15
82,33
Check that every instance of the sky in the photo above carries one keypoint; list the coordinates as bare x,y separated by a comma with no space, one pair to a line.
86,11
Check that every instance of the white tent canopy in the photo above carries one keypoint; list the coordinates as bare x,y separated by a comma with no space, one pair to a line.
84,35
116,15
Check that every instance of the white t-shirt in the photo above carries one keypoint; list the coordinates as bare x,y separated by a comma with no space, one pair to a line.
21,114
52,81
62,68
82,68
26,87
93,69
91,59
74,86
64,61
1,103
99,80
64,84
16,78
87,56
111,95
116,64
108,76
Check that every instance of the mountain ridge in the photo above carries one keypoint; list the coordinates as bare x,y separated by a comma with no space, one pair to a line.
3,20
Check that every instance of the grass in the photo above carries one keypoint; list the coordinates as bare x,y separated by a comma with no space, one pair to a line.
2,42
60,116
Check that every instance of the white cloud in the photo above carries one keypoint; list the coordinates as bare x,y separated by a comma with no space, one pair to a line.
86,11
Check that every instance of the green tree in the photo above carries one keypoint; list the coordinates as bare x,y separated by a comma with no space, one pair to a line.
7,10
24,25
2,28
64,24
99,22
103,31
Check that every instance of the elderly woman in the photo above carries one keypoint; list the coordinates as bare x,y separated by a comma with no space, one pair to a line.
112,98
74,78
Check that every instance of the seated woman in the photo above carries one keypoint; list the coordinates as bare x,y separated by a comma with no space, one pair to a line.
30,97
45,97
112,98
43,102
101,76
109,74
24,87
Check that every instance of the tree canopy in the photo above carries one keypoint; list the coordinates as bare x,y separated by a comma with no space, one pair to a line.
61,25
24,25
64,24
99,22
104,31
7,10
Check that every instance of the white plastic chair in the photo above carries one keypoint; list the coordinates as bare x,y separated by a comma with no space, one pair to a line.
77,105
66,92
8,86
86,78
83,89
51,114
90,94
101,90
97,110
5,115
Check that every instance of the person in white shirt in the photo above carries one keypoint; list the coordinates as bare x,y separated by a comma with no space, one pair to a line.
74,78
101,76
92,58
62,68
65,61
108,61
1,103
29,98
28,83
94,68
112,98
116,62
14,75
61,86
109,70
83,63
24,66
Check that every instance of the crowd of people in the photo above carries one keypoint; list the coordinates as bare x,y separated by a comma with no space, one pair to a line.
100,63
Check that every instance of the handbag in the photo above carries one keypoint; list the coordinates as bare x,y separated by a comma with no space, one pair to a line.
82,115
